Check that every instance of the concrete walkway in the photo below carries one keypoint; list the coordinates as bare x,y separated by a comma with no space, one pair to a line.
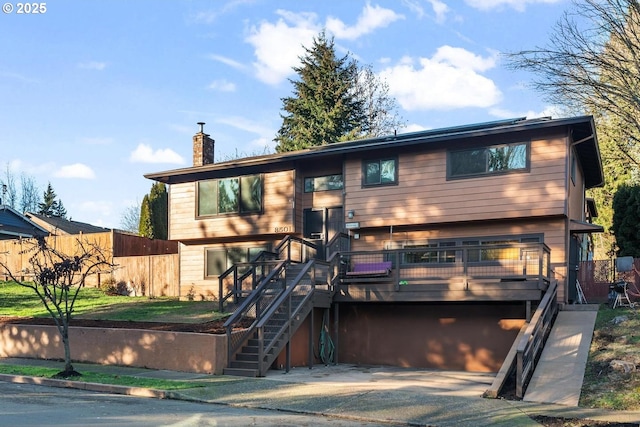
560,371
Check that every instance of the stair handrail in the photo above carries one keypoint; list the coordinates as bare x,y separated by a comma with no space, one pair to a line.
285,246
233,343
287,292
236,288
293,312
534,337
340,242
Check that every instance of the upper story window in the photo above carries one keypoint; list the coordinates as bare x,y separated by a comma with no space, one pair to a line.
380,172
488,160
323,183
230,195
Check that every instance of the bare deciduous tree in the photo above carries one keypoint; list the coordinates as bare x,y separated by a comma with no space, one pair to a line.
380,109
29,194
592,65
130,218
9,191
57,280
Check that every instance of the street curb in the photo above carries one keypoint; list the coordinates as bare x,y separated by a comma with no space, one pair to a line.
173,395
81,385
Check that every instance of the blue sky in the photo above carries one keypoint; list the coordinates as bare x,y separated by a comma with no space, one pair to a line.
94,94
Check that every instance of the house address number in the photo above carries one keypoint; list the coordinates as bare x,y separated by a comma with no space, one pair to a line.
283,229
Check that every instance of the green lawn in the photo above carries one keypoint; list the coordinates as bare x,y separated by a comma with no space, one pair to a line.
94,377
92,303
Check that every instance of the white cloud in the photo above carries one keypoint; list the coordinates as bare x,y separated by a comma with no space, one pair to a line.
222,86
450,79
461,58
441,9
247,125
415,7
277,46
413,127
19,166
548,111
145,154
519,5
209,16
227,61
371,18
16,76
76,170
92,65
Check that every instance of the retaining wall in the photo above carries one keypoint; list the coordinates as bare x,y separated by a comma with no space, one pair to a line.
176,351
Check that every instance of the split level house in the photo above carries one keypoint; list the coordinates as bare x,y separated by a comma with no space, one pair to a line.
427,249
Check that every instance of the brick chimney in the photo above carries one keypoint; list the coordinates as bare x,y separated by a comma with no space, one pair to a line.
202,147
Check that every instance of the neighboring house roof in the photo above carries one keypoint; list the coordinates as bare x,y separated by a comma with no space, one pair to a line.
582,129
57,225
14,225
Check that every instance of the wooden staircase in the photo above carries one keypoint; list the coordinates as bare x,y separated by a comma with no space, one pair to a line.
272,335
278,305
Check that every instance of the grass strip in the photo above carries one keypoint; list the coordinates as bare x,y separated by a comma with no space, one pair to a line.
100,378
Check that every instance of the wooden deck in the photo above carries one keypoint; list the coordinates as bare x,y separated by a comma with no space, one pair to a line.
497,273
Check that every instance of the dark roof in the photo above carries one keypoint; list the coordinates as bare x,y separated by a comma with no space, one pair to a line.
15,225
581,129
67,225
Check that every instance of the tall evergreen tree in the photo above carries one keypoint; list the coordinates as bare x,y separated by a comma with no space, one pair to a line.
145,229
159,212
60,210
50,205
626,216
325,106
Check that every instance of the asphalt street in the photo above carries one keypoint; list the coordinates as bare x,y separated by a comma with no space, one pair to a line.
27,405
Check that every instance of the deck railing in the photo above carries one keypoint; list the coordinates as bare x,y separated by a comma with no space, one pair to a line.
517,262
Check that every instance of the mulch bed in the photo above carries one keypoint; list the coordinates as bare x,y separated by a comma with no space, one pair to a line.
573,422
213,327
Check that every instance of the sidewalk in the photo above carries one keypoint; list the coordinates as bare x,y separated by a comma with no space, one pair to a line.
392,395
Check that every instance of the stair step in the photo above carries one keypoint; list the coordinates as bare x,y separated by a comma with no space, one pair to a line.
243,365
250,349
240,372
247,357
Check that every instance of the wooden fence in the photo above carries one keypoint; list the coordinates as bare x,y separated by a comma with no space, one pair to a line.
151,275
596,276
142,266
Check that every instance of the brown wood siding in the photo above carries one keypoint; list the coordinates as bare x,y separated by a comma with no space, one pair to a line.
299,207
192,268
423,194
576,194
192,265
277,216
